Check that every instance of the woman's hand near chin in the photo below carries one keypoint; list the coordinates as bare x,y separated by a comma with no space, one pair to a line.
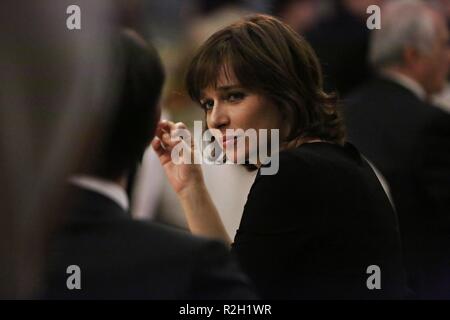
182,176
187,181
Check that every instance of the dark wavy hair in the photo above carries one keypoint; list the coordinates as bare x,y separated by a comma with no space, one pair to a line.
269,58
135,109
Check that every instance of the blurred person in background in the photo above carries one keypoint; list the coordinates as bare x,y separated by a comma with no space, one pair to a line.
442,99
341,43
408,139
119,257
300,15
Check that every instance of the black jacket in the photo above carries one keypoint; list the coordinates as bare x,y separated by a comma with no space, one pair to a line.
312,230
409,142
121,258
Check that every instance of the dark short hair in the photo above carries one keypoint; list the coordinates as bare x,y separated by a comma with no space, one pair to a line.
135,109
270,58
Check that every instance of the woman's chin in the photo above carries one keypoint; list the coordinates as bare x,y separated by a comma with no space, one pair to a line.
240,157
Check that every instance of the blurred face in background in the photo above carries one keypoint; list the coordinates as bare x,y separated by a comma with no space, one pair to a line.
301,15
433,66
359,7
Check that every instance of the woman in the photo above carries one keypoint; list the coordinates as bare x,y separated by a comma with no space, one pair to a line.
313,229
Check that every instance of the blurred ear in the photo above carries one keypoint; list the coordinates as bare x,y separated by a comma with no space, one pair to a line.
411,56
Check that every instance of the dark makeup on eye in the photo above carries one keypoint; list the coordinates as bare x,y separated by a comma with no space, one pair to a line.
230,93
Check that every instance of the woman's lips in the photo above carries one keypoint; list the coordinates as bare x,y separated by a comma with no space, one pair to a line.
228,140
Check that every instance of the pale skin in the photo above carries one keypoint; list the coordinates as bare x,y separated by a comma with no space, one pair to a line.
228,106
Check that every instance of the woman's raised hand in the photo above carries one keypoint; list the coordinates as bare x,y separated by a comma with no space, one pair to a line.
182,176
187,180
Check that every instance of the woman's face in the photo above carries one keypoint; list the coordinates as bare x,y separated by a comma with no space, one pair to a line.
230,106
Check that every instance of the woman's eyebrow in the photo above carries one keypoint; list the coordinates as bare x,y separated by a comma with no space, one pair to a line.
228,87
222,89
202,96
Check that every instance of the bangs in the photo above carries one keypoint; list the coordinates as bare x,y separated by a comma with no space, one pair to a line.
267,57
217,57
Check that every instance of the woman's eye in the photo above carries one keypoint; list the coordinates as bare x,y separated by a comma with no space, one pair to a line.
235,96
207,105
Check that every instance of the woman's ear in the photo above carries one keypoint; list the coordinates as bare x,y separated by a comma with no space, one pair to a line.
286,124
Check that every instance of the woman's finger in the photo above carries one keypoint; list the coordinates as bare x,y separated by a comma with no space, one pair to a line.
163,154
167,140
180,125
158,147
170,134
163,126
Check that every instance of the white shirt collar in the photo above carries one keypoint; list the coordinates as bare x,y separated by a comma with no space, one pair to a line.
107,188
407,82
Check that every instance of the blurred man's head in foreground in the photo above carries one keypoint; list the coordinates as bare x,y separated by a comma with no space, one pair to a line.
135,108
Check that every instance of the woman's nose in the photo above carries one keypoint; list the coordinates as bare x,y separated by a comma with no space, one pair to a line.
218,117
